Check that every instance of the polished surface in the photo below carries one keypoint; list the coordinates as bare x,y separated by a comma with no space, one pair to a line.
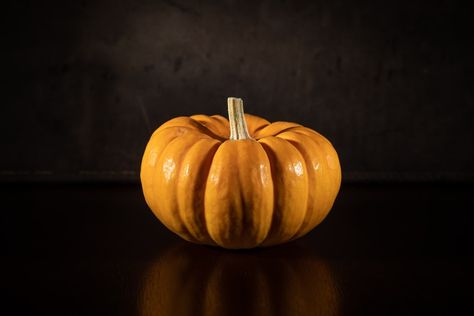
89,249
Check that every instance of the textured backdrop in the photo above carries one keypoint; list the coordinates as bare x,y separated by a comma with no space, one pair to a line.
390,83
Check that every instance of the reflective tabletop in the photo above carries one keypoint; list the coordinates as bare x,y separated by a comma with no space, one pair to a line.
96,249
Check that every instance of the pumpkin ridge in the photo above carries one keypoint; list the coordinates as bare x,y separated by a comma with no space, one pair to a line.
253,120
230,199
259,128
204,197
207,131
189,129
272,171
334,188
329,150
221,119
156,134
205,176
273,193
192,124
273,125
273,151
289,129
177,214
325,200
312,183
203,172
214,123
307,181
157,213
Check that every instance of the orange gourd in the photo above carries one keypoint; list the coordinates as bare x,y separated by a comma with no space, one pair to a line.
241,183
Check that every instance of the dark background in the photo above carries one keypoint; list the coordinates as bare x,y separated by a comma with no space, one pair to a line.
388,82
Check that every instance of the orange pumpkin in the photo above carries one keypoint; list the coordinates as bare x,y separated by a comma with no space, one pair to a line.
241,183
189,280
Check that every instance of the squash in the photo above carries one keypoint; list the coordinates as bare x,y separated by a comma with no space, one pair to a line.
189,280
241,183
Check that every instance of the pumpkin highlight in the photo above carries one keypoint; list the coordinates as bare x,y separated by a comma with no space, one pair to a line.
239,183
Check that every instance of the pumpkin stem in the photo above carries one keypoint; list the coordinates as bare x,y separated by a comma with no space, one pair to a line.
238,125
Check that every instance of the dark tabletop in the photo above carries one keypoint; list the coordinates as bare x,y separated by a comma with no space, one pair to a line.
96,249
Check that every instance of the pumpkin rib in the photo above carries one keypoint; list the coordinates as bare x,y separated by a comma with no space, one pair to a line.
289,129
325,143
157,212
270,157
311,132
148,166
222,120
238,197
255,123
206,198
258,129
332,187
290,183
326,206
305,163
167,177
191,128
156,139
185,121
300,141
213,124
331,159
208,130
274,129
192,190
224,123
272,208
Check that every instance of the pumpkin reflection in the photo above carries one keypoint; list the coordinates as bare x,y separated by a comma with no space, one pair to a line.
193,280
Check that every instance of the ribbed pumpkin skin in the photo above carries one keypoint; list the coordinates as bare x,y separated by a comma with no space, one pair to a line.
239,193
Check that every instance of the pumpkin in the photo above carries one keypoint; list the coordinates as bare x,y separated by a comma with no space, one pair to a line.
284,280
239,183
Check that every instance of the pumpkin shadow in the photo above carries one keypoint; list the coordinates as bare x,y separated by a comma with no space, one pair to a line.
194,280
